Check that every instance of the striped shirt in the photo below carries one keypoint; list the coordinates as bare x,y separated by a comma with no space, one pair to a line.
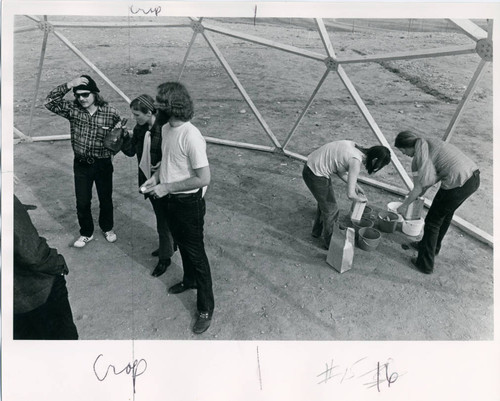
87,131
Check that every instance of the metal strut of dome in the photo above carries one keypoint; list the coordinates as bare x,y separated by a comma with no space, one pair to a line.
482,45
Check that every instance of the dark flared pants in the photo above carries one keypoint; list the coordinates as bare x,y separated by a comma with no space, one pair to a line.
327,212
167,247
185,215
439,218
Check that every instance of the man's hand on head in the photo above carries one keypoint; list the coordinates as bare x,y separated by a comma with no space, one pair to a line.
77,81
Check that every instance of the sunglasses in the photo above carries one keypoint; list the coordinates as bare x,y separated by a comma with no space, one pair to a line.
83,95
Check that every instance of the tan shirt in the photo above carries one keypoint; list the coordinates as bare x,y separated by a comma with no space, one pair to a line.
453,168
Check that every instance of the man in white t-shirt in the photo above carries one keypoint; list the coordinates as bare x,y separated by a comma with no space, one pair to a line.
180,182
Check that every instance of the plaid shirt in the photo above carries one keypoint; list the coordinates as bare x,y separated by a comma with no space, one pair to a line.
87,131
134,146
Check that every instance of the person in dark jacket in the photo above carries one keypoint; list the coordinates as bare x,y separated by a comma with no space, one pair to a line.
41,306
146,144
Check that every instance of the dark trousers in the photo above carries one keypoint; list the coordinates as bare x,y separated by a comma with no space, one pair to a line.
166,248
439,218
100,172
51,321
327,212
185,216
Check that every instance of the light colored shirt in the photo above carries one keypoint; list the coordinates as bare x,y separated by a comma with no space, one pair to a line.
453,167
183,151
333,158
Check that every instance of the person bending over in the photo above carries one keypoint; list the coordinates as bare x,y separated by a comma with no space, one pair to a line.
433,161
342,159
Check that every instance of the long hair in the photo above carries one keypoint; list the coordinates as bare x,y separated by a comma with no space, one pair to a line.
422,161
176,99
98,100
377,157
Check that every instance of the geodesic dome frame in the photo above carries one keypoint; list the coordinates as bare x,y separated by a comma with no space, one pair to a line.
482,45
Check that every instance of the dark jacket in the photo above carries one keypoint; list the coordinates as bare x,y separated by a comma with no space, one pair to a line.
35,264
134,145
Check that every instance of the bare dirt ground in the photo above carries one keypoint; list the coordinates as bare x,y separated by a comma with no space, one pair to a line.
271,280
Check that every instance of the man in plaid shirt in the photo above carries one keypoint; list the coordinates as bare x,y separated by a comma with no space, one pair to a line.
90,118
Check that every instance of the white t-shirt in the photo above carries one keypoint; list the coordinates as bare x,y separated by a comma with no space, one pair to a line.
183,150
333,158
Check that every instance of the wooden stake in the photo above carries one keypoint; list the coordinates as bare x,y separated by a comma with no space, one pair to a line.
465,99
38,76
235,80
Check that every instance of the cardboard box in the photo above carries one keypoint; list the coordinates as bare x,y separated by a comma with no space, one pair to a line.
357,209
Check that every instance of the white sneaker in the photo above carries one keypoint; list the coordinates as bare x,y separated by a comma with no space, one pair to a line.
82,241
110,236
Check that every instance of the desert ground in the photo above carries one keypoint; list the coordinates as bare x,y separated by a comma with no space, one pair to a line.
271,280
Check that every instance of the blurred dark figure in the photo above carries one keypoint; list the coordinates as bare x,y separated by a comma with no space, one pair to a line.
41,306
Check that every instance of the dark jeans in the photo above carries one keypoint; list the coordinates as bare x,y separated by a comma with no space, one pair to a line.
51,321
100,172
439,218
185,216
166,249
327,212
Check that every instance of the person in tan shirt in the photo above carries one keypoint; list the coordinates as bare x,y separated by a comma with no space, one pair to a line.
436,161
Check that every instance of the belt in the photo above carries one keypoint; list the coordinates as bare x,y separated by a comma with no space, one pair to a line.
89,159
184,196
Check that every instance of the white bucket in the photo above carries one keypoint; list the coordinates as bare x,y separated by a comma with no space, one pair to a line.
413,228
393,207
